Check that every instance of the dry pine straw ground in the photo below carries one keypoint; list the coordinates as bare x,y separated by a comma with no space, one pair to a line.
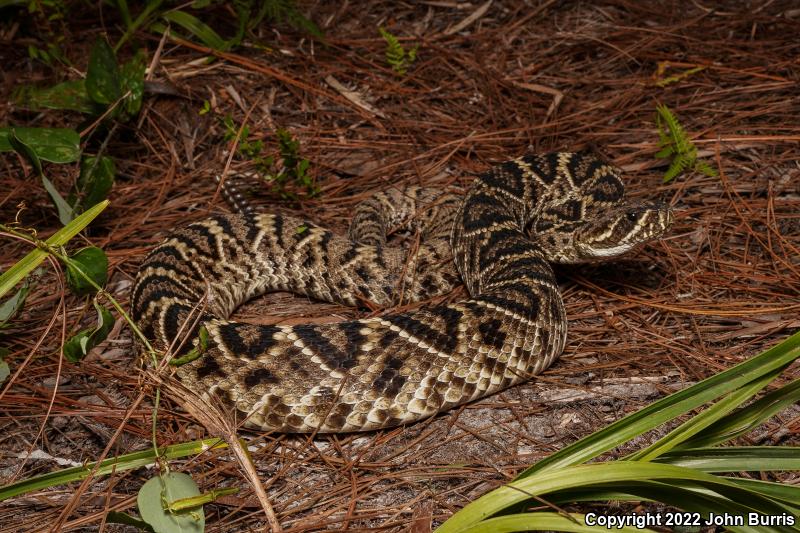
518,76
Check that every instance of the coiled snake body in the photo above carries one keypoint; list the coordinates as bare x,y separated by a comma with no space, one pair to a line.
397,368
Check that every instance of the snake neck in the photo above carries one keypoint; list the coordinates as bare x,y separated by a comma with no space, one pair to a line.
490,245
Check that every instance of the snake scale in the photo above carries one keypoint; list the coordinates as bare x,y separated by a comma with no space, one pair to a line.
396,368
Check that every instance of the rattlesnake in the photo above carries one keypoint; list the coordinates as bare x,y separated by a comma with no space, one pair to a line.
399,367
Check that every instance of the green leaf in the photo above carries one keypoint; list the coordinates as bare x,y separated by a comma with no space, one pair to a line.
285,10
778,491
701,421
88,262
11,307
736,459
197,28
5,371
678,486
123,463
543,521
155,497
674,141
727,497
96,180
664,152
69,95
65,212
396,55
24,266
25,151
151,6
124,12
745,419
676,404
103,79
78,346
132,79
677,166
56,145
705,168
117,517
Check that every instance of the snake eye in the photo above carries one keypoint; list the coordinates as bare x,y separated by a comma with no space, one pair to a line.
632,216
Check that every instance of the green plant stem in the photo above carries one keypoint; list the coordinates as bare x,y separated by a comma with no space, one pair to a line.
49,248
122,463
24,266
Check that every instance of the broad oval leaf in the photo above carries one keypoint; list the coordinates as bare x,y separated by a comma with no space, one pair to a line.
164,489
132,79
25,151
70,95
56,145
92,261
95,180
103,80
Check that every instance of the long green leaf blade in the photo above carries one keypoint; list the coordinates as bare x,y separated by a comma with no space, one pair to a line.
615,475
674,405
541,522
24,266
697,498
736,459
701,421
789,494
197,28
746,418
114,464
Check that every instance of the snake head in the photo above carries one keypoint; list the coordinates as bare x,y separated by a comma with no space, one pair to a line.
619,230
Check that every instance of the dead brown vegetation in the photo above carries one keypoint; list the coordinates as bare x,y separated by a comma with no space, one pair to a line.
520,76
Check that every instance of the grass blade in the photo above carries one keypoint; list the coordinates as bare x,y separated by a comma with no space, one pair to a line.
197,28
619,476
675,404
746,418
114,464
540,522
736,459
788,494
702,420
696,498
24,266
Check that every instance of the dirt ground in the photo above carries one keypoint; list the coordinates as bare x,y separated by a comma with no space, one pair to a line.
492,80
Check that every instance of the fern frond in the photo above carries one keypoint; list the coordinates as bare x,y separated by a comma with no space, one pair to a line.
705,168
665,152
396,55
674,141
678,165
412,54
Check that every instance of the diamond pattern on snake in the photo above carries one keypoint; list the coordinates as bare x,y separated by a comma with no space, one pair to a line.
498,240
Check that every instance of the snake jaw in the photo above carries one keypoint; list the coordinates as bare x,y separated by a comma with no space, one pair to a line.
620,230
